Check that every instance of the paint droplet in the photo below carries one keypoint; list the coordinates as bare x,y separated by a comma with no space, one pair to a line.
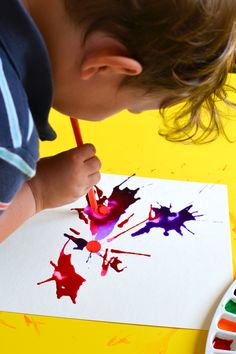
103,209
74,231
93,246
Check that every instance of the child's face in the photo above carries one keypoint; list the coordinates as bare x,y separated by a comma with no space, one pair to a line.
99,96
96,100
77,92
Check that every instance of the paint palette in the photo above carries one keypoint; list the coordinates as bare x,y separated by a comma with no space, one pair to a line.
222,334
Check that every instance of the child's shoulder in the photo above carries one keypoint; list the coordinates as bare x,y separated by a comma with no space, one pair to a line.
17,128
18,136
27,64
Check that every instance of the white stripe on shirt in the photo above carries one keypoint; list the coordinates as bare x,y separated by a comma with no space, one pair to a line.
30,125
11,110
17,161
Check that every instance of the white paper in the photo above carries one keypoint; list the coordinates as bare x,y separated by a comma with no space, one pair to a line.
178,286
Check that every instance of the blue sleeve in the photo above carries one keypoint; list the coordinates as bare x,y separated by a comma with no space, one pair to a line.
11,179
16,167
18,135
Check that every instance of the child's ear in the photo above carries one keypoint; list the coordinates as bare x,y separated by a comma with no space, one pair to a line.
102,63
105,54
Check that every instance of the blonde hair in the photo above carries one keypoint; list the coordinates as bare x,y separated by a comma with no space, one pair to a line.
186,48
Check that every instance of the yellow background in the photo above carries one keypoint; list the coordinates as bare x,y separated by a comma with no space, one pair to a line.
127,144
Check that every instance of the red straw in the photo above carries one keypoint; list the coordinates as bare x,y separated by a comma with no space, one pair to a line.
79,141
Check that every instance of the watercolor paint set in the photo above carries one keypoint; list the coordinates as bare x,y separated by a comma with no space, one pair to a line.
222,334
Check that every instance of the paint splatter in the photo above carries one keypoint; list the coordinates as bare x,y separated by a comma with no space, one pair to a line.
113,262
133,253
68,282
224,168
74,231
121,224
95,247
169,220
81,243
29,320
161,344
150,217
81,215
101,225
117,341
117,203
5,324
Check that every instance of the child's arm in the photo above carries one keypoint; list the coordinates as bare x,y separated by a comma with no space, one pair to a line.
22,208
59,180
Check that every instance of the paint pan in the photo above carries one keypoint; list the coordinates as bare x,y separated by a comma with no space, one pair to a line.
222,334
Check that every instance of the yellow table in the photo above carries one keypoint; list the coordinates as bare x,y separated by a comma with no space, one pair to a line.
127,144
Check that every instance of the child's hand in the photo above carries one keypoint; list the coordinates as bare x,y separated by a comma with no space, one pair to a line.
64,178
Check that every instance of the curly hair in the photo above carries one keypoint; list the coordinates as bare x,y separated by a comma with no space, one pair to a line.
186,48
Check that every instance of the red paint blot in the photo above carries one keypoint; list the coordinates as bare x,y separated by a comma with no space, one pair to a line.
74,231
99,192
81,215
134,253
113,262
93,246
219,343
125,221
67,280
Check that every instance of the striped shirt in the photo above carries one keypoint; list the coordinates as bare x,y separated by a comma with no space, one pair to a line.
25,98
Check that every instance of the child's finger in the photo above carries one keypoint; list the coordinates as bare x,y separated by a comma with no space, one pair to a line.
94,179
87,151
93,165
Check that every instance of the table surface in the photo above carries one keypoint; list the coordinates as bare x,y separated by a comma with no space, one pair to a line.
127,144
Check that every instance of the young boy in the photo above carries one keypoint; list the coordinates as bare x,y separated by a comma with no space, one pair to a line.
91,59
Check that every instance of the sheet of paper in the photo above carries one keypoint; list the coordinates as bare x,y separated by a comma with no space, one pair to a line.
169,270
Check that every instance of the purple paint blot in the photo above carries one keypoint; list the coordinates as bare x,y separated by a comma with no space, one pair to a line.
81,243
168,220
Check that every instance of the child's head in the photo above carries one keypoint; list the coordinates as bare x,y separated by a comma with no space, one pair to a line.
178,49
186,47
